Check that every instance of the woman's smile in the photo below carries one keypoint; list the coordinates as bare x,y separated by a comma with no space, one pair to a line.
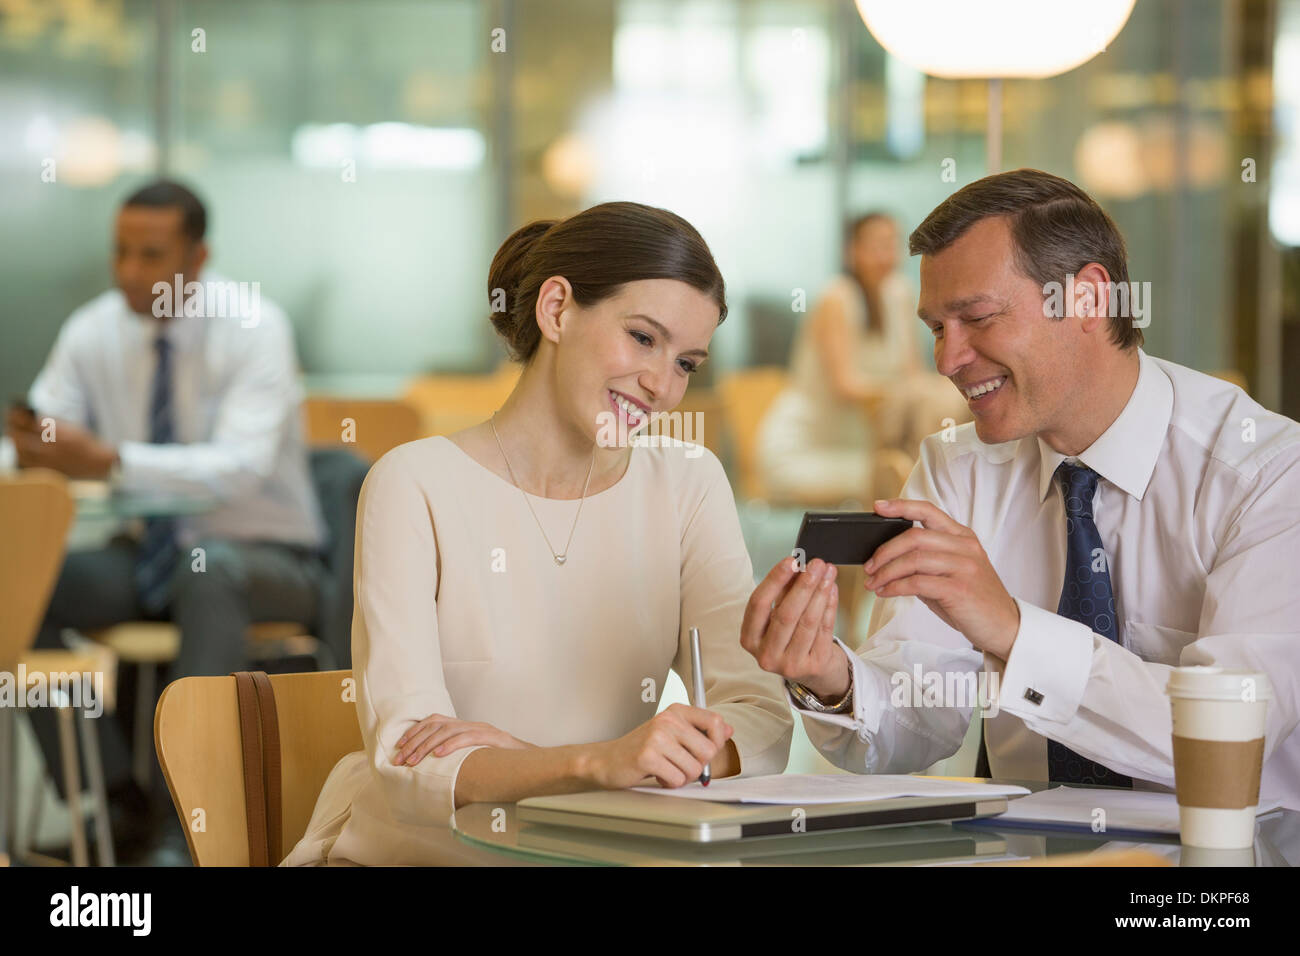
631,411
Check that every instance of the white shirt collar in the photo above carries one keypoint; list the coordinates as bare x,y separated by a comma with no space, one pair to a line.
1126,453
183,332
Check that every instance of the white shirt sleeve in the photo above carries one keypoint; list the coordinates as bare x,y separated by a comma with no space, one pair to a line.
1049,664
60,387
897,724
263,391
1108,704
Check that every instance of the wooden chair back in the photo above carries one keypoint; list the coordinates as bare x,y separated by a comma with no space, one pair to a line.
698,419
746,397
367,426
36,511
450,403
196,732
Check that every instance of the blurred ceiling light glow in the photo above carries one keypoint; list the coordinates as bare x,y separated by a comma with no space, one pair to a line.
784,92
1198,160
1121,160
652,56
568,166
90,151
789,68
904,108
1109,159
41,134
660,149
994,38
387,146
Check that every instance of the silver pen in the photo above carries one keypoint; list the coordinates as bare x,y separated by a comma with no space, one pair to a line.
697,678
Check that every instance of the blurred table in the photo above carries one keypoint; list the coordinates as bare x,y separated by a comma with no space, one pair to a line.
1277,843
101,512
95,501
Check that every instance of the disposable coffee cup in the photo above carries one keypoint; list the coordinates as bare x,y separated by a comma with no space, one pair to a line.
1218,717
1200,856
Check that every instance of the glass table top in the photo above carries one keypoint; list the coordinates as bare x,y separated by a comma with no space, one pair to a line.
96,501
496,828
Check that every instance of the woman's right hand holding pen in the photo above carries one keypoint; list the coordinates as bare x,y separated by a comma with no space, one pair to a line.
673,748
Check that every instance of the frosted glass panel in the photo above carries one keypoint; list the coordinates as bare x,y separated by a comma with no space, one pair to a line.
342,149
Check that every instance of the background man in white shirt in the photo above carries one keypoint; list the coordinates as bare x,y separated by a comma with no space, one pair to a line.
1106,517
202,401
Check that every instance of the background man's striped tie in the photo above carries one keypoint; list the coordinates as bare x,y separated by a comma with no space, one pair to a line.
156,562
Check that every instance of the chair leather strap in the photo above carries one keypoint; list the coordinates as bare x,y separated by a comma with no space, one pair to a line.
259,733
270,765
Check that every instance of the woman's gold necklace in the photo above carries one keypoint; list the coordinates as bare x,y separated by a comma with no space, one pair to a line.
560,556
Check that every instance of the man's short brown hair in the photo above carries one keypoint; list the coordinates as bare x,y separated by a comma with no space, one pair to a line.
1056,228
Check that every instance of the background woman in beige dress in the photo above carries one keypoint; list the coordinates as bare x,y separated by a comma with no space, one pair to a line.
857,382
523,586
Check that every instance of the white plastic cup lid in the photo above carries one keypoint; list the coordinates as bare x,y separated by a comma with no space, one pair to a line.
1219,683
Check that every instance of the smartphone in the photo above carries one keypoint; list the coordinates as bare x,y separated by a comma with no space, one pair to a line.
845,537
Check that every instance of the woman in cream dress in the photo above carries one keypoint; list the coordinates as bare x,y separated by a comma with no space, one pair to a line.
856,380
524,586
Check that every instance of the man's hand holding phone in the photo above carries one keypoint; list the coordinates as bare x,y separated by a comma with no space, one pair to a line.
75,451
943,563
790,619
789,628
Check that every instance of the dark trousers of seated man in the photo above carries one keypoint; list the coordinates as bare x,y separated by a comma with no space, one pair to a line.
241,582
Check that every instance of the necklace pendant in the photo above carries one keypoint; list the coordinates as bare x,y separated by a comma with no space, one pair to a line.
559,558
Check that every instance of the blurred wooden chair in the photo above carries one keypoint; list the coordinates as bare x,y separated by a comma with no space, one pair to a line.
1233,376
149,645
197,735
889,472
36,511
337,476
450,403
371,427
746,396
698,418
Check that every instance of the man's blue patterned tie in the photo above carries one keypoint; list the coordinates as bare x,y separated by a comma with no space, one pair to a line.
1086,597
156,562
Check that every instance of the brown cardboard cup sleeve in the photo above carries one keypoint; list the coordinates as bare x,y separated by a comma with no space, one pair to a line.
1220,774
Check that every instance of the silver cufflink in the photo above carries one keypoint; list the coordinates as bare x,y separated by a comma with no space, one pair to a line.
1033,696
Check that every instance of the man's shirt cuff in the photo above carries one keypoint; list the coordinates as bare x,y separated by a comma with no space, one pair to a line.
1048,668
870,695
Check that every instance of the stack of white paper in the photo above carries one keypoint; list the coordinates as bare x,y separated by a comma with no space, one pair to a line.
1103,810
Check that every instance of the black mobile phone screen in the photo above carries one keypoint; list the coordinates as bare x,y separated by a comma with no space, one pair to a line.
849,537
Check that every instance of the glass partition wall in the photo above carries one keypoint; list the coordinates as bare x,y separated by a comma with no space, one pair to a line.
363,160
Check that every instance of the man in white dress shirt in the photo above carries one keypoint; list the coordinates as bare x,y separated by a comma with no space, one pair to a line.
1108,516
192,395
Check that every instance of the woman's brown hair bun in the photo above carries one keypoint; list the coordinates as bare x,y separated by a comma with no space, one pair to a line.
597,251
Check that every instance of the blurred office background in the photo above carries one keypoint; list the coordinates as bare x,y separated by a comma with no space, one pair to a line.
363,160
764,122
